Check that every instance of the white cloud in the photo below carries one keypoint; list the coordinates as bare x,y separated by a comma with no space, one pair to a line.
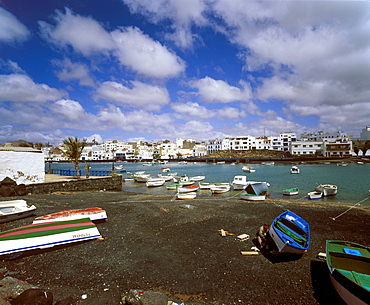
231,113
74,71
84,34
68,109
21,88
139,95
11,29
144,55
218,91
183,15
192,109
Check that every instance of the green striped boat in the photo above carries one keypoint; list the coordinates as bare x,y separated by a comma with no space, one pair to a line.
47,235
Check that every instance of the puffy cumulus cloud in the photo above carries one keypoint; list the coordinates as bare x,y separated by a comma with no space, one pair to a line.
183,15
134,121
185,110
144,55
69,109
11,29
231,113
219,91
83,34
74,71
94,138
139,95
21,88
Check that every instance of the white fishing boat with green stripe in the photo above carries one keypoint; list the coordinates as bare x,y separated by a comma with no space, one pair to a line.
47,235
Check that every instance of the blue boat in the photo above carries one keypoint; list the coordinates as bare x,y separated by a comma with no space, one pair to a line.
290,233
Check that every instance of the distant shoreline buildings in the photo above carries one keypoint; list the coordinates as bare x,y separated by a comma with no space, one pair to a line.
336,144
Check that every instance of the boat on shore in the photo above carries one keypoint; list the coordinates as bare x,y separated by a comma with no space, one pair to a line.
349,267
327,189
155,182
197,178
291,192
252,197
239,182
47,235
291,233
173,186
15,209
205,185
314,195
220,188
94,214
190,195
187,189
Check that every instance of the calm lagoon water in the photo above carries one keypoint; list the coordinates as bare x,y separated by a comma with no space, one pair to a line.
353,181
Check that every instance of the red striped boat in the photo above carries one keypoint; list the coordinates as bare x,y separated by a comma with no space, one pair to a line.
47,235
95,214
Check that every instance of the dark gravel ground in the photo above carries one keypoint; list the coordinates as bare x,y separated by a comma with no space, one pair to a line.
153,243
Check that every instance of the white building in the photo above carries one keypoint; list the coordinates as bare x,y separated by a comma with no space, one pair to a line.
324,136
24,165
301,148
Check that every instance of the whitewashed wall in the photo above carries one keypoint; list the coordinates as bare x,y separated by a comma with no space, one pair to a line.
22,167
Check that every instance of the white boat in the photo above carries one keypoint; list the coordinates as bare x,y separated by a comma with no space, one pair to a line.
314,195
95,214
252,197
219,189
47,235
327,189
187,189
190,195
248,169
342,164
15,209
239,182
205,185
291,192
294,170
141,177
268,163
197,178
165,169
165,177
155,182
173,186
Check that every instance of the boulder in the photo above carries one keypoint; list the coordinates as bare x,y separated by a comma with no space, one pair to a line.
33,296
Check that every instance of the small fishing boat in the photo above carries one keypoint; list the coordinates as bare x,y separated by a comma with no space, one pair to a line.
205,185
239,182
221,188
314,195
165,169
327,189
47,235
252,197
349,267
190,195
248,169
95,214
291,192
294,170
15,209
290,233
187,189
173,186
155,182
197,178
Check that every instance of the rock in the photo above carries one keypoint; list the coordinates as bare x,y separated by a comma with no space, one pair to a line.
140,297
66,301
33,296
20,189
10,288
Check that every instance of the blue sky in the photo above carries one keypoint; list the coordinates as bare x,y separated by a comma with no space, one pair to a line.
195,69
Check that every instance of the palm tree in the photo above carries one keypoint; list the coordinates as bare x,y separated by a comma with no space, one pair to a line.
73,150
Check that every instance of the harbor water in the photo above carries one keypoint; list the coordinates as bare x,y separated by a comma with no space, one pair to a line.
353,180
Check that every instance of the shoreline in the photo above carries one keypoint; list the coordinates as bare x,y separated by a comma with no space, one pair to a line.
153,243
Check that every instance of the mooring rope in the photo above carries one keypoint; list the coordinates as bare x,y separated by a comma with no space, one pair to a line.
350,208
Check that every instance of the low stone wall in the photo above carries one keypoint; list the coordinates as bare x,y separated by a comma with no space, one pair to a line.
111,183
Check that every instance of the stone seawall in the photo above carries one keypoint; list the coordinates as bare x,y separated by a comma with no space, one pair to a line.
111,183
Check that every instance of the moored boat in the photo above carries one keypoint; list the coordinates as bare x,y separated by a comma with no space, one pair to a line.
291,192
187,189
248,169
314,195
252,197
95,214
205,185
219,189
155,182
327,189
173,186
47,235
294,170
291,233
15,209
197,178
239,182
349,267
